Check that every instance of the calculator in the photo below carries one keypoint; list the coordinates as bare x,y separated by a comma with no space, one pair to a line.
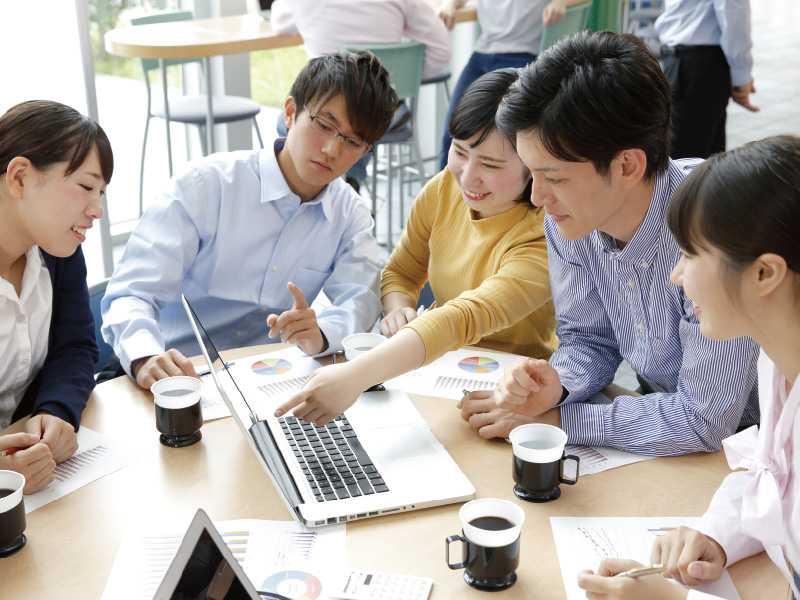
366,585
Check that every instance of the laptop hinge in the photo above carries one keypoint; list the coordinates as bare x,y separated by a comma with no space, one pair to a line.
265,442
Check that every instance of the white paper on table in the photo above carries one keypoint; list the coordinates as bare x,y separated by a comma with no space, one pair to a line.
96,456
447,376
268,379
596,459
275,555
211,402
581,542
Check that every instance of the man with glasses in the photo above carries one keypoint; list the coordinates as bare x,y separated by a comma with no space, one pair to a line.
248,236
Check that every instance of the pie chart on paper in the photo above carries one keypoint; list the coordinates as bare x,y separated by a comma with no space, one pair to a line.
478,364
271,366
297,585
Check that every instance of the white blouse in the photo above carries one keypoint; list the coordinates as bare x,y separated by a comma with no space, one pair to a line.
759,509
24,330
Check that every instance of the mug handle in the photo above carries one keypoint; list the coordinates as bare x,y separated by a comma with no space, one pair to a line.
577,460
453,538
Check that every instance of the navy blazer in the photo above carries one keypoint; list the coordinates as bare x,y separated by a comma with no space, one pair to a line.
64,383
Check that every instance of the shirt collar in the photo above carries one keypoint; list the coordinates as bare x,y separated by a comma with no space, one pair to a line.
645,242
276,187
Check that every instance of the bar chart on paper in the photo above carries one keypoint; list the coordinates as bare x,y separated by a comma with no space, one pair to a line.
596,459
96,456
582,542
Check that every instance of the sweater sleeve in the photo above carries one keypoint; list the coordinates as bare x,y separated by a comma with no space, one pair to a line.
520,286
407,269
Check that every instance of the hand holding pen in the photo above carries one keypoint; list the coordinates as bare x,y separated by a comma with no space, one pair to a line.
623,579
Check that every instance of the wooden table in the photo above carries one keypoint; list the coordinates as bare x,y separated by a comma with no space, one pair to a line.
72,542
204,38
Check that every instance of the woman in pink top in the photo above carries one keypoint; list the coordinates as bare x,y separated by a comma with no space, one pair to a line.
736,218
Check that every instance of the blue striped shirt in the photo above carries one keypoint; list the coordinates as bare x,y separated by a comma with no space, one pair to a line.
613,304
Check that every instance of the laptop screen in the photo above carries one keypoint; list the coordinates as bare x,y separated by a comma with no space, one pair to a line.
258,435
204,568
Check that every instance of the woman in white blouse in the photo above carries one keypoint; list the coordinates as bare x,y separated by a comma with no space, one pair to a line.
736,218
54,167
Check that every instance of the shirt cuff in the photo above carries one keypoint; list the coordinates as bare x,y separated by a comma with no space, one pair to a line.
583,423
740,76
333,337
140,344
728,534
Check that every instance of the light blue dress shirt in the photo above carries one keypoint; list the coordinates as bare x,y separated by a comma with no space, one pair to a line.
230,234
613,304
724,23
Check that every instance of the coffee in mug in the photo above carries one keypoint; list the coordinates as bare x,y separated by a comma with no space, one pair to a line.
539,459
178,413
490,531
12,513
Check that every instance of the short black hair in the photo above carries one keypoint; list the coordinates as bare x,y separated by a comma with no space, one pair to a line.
474,113
590,96
744,202
47,132
361,78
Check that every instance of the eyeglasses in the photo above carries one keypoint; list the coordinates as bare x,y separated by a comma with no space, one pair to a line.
327,130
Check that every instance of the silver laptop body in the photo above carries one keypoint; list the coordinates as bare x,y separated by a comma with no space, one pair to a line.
414,469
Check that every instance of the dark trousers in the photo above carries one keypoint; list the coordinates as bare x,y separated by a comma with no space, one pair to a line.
700,80
478,64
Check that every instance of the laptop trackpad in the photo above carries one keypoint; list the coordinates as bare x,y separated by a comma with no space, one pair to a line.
402,441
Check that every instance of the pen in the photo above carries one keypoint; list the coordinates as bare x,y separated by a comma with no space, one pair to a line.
639,571
9,451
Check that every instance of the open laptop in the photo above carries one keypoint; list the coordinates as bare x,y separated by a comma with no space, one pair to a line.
380,457
204,567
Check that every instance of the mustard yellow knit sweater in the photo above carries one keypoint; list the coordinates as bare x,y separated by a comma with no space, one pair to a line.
489,276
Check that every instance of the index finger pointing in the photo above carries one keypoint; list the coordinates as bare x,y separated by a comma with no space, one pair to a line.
291,403
297,294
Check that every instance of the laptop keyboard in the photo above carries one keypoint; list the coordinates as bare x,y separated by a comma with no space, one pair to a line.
334,462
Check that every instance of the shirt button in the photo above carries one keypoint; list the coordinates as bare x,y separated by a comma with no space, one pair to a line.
4,424
640,327
21,319
645,264
274,267
630,283
24,362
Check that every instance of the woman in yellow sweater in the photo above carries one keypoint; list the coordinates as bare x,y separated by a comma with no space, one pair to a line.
475,235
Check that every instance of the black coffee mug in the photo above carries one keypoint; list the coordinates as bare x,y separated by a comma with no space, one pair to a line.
179,416
491,541
12,513
539,459
538,482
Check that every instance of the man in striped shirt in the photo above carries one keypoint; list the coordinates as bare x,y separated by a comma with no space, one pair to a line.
592,121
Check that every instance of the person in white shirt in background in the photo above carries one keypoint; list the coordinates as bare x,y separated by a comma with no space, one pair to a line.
248,236
511,31
330,25
736,219
706,57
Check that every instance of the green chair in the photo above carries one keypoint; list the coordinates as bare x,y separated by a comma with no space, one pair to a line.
403,61
189,110
574,20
